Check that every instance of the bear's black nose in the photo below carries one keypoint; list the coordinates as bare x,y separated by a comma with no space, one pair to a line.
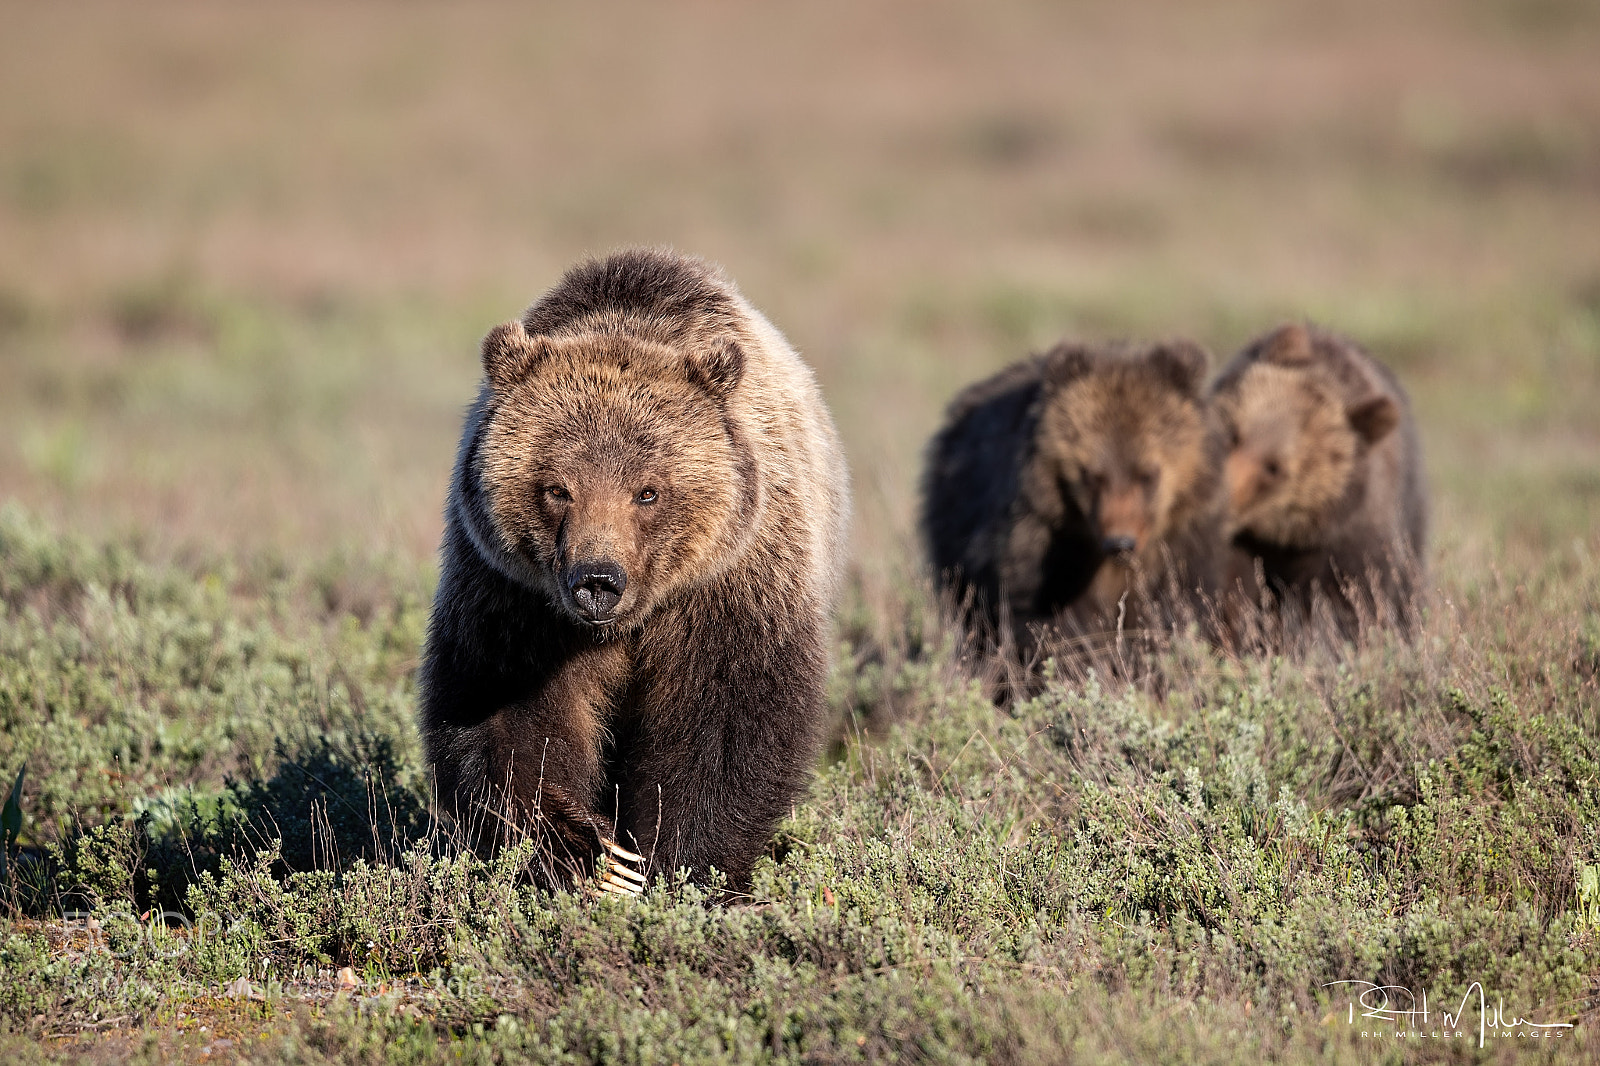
1118,545
596,587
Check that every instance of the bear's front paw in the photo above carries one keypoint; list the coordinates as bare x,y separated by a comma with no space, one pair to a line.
618,878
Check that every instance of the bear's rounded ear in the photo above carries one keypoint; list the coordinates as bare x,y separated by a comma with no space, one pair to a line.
508,354
1066,363
1182,362
1287,346
719,368
1374,419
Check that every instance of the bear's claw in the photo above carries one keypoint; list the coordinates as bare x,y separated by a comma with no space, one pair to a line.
620,878
621,852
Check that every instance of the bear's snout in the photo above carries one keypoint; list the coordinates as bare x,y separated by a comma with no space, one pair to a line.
1242,474
595,588
1120,545
1123,520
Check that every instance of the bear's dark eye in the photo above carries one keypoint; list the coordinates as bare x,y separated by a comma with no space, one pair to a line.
645,496
1145,478
1272,468
556,492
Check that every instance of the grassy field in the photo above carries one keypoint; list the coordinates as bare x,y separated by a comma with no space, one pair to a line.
246,257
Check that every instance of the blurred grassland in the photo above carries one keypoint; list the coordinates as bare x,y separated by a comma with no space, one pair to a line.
246,257
271,238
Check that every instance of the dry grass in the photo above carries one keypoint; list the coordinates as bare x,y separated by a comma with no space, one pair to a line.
246,252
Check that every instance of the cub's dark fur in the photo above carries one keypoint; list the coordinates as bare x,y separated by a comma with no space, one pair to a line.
643,539
1077,489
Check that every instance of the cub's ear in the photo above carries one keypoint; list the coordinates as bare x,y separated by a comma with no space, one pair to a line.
1183,363
1374,419
719,368
1287,346
509,353
1066,363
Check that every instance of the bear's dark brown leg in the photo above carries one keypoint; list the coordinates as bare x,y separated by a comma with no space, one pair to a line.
727,732
529,763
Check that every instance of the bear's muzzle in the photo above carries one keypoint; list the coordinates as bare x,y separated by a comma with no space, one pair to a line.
595,588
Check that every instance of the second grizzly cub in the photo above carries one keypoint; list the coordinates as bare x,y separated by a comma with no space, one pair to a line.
1324,478
1077,489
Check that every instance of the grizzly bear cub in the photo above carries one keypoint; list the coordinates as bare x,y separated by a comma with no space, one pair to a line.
1077,490
1326,503
644,536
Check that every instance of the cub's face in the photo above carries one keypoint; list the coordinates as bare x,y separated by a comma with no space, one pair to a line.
607,468
1293,450
1129,443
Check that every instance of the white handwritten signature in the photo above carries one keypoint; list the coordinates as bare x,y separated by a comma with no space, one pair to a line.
1391,1003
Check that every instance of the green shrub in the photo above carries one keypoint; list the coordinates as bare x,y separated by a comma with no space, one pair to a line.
229,787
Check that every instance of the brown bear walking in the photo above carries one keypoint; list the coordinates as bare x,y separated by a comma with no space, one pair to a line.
1326,502
1077,489
643,540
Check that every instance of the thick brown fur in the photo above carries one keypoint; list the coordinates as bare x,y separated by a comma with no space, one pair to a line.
1077,491
643,541
1326,502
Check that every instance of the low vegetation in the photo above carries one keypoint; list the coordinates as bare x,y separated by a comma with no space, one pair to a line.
226,837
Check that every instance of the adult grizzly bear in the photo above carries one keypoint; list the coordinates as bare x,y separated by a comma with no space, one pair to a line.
643,540
1325,492
1077,489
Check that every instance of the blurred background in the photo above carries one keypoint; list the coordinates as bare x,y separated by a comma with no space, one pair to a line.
247,252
